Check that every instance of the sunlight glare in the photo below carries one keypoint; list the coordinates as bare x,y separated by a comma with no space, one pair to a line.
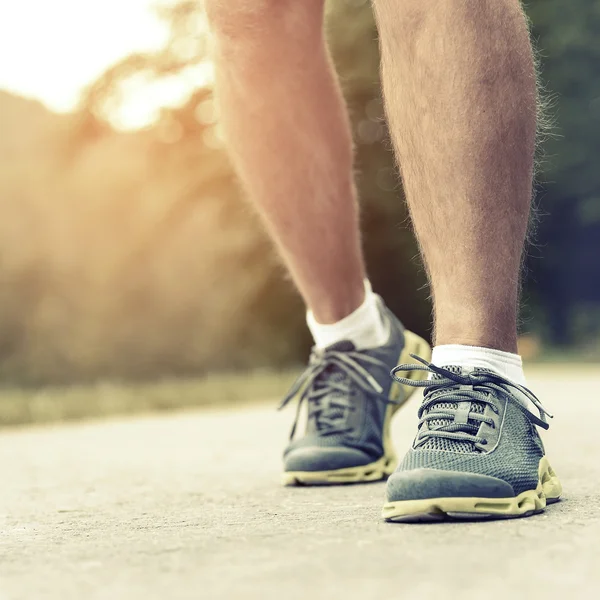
52,50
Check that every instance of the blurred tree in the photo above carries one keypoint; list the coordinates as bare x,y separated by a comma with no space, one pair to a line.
187,139
564,268
136,256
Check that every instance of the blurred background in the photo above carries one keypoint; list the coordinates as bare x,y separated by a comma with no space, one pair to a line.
127,250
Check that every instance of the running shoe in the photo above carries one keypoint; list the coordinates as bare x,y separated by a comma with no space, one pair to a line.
350,399
477,453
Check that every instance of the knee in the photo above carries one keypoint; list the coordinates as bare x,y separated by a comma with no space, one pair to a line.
240,18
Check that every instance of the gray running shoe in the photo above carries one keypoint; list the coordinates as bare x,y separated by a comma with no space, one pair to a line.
477,453
350,400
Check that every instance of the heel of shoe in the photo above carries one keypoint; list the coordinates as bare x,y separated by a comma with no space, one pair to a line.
413,344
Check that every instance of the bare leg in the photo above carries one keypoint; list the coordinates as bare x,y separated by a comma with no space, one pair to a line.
288,132
460,91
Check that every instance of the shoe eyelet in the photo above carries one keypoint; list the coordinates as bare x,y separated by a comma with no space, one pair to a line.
484,442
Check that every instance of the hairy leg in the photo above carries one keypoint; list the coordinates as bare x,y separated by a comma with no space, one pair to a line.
460,90
288,132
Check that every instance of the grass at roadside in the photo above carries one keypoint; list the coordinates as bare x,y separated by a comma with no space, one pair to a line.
55,404
47,405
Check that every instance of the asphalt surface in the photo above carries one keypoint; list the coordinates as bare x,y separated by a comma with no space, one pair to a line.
189,506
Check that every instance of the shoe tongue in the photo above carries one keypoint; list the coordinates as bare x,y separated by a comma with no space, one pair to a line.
334,374
445,405
453,369
342,346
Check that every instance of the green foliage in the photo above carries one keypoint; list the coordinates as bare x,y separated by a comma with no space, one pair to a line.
564,273
567,39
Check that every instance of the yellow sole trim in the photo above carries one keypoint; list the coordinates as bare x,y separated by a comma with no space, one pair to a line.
549,489
386,465
372,472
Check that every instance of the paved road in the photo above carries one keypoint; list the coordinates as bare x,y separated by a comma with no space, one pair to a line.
189,506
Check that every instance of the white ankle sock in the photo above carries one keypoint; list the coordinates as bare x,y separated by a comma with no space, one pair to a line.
365,327
504,363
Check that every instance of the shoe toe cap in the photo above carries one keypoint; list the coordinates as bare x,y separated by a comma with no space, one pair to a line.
315,458
420,484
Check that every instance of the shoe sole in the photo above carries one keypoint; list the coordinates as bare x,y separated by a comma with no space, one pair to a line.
386,465
528,503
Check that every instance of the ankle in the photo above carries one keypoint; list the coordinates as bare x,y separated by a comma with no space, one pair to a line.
482,333
481,324
332,309
492,342
365,327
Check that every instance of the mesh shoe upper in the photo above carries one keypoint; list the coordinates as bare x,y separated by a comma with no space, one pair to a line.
474,422
347,393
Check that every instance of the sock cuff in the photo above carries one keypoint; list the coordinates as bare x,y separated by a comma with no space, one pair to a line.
492,353
505,363
365,327
348,320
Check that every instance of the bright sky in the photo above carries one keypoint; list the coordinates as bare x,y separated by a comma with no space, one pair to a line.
51,49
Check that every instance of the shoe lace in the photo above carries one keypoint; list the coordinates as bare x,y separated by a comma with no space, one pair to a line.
449,405
326,385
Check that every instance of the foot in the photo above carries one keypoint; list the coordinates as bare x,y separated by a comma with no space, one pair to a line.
477,453
350,399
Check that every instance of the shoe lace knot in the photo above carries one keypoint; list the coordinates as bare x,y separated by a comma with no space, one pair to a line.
456,404
328,385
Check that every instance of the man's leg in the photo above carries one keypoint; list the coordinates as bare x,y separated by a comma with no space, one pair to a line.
460,92
461,100
288,133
